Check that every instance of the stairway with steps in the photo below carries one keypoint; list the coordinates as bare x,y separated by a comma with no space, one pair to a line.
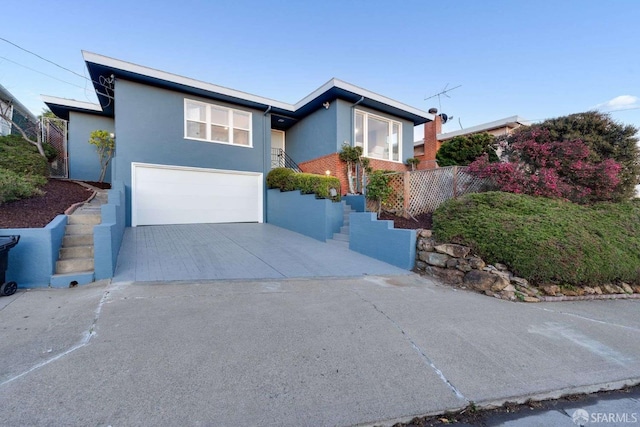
342,237
75,263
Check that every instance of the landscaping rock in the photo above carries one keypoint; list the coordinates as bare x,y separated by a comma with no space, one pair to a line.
589,290
476,263
500,267
456,251
598,290
425,233
520,281
636,289
452,262
609,289
451,276
480,280
510,296
551,290
421,265
626,288
437,259
501,284
464,265
531,299
618,289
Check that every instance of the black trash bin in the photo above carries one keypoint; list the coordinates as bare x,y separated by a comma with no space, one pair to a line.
6,243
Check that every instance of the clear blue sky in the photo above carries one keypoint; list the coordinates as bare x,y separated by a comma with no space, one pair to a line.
537,59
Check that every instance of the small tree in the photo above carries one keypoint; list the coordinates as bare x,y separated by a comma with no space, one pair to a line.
351,156
462,150
413,162
105,146
31,132
378,188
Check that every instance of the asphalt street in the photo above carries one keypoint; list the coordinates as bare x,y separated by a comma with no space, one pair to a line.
291,352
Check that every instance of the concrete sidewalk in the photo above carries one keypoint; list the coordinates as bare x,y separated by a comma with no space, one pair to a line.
330,351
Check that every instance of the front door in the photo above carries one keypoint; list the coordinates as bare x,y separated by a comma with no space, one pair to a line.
277,149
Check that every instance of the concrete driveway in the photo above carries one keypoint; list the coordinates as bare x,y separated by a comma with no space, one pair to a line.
293,352
236,251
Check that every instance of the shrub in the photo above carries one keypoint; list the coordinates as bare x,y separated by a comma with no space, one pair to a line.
14,186
378,188
462,150
546,240
288,180
551,169
50,152
280,178
19,156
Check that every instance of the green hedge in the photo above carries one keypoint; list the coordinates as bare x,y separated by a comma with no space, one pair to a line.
288,180
14,186
545,240
19,156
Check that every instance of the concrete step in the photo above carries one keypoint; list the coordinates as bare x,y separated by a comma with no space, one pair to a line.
83,219
68,280
74,265
340,236
338,243
79,229
77,240
76,252
344,230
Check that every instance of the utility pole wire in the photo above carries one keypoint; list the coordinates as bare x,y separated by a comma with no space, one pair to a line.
44,59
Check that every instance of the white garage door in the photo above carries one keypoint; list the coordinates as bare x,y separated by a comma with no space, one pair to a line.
163,194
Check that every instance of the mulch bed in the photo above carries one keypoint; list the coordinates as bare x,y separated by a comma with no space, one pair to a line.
38,211
420,221
100,185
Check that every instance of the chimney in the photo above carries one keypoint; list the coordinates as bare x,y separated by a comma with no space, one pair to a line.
431,143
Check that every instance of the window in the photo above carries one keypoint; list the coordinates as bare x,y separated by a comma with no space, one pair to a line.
209,122
379,137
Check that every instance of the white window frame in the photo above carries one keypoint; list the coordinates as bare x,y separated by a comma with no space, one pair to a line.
208,123
365,134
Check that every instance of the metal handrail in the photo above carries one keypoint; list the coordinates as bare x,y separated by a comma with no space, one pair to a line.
282,160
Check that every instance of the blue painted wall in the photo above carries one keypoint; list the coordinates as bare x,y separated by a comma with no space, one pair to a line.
325,131
83,158
107,236
379,240
32,261
150,129
314,136
357,203
304,214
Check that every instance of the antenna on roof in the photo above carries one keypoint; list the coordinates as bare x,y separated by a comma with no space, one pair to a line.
442,92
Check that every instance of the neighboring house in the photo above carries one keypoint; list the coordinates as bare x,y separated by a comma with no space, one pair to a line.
189,151
14,109
426,148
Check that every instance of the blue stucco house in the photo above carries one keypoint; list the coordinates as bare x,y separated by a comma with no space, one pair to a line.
189,151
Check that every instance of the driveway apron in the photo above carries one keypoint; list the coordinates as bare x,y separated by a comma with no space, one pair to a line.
236,251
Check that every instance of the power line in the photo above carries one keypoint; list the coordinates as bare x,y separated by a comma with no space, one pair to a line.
40,72
44,59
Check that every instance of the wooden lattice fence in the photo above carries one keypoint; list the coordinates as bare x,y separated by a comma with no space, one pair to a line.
422,191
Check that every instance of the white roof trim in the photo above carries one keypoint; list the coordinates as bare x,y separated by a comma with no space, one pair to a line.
174,78
66,102
512,122
362,92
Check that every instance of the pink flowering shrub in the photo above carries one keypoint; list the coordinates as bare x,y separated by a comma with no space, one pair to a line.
539,166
